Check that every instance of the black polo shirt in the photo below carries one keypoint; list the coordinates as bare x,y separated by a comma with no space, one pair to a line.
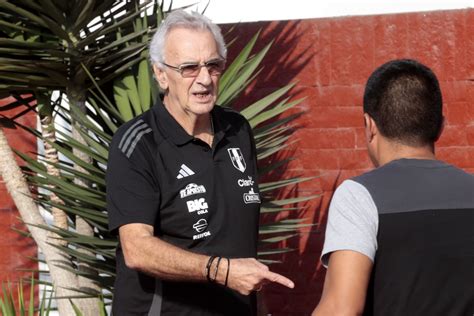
202,199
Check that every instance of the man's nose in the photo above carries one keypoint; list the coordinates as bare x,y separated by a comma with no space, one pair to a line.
204,77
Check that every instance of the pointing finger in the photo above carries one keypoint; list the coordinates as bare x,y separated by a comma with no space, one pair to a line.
278,278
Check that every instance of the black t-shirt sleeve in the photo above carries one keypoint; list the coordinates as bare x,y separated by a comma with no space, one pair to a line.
132,194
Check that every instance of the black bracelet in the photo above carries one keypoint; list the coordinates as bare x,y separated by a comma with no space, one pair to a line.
227,274
208,268
217,268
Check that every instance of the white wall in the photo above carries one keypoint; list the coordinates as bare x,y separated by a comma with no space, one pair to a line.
230,11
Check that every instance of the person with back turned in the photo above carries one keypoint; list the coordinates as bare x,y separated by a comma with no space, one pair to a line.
400,238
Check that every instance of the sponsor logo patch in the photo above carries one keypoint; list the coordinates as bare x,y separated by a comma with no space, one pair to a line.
237,159
184,172
199,205
251,197
200,227
245,182
192,189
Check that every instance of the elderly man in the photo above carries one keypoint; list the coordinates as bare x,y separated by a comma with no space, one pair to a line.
399,239
182,188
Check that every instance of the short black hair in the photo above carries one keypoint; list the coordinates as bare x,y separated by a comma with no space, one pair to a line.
404,99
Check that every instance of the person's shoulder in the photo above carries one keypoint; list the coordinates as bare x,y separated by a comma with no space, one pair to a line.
460,174
350,187
132,134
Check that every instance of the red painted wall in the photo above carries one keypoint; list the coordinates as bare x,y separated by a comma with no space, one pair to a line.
15,250
331,60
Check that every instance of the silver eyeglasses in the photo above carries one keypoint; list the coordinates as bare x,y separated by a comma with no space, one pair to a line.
190,70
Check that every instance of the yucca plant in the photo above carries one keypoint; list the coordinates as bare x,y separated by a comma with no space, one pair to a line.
45,45
7,301
78,188
9,308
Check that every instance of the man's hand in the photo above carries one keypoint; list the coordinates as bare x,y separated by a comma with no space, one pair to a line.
248,274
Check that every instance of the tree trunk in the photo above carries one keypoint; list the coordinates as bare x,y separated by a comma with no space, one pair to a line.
89,306
63,280
51,156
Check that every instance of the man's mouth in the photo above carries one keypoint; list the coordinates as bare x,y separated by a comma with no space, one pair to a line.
202,94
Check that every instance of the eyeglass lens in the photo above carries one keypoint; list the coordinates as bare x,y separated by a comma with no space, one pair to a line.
214,67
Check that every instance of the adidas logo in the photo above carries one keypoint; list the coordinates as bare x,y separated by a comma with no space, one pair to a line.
184,172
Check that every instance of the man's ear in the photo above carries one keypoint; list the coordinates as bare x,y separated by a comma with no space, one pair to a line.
371,129
161,77
443,122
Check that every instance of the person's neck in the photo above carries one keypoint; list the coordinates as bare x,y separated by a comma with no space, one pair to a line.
198,126
391,151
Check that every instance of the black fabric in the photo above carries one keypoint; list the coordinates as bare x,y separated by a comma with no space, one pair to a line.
144,188
424,264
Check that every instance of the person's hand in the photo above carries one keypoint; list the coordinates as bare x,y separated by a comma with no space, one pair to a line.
248,274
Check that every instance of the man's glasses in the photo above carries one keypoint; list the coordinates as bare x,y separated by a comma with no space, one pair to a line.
190,70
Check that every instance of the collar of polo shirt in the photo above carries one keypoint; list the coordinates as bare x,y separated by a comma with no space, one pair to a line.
176,133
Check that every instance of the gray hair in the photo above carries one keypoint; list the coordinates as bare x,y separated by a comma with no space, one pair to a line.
180,18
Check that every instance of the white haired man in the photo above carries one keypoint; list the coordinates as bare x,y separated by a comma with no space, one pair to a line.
182,188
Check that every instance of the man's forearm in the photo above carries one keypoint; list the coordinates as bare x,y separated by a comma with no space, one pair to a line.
153,256
158,258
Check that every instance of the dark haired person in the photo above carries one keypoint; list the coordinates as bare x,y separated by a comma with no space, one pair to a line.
182,188
400,238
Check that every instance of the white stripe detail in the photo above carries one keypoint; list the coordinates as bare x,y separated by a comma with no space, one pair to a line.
129,130
186,168
132,136
135,142
237,160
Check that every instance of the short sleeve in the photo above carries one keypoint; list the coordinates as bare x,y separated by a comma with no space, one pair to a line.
352,222
132,193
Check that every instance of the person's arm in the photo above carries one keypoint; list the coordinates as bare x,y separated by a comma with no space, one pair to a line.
153,256
349,250
345,286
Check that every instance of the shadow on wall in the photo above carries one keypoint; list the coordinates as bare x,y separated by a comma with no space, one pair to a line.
281,66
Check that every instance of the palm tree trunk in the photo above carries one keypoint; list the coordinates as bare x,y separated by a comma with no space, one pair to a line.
63,280
51,156
88,306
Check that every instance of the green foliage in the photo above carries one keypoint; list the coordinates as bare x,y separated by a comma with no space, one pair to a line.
8,307
7,301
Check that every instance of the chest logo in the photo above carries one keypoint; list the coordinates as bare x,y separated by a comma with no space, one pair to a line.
245,182
199,205
237,159
192,189
199,227
184,172
251,197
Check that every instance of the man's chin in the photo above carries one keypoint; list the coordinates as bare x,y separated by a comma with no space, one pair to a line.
202,108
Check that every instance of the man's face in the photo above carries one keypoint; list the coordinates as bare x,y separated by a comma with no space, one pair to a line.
194,95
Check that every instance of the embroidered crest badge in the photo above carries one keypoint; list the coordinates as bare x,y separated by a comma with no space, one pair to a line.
237,159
